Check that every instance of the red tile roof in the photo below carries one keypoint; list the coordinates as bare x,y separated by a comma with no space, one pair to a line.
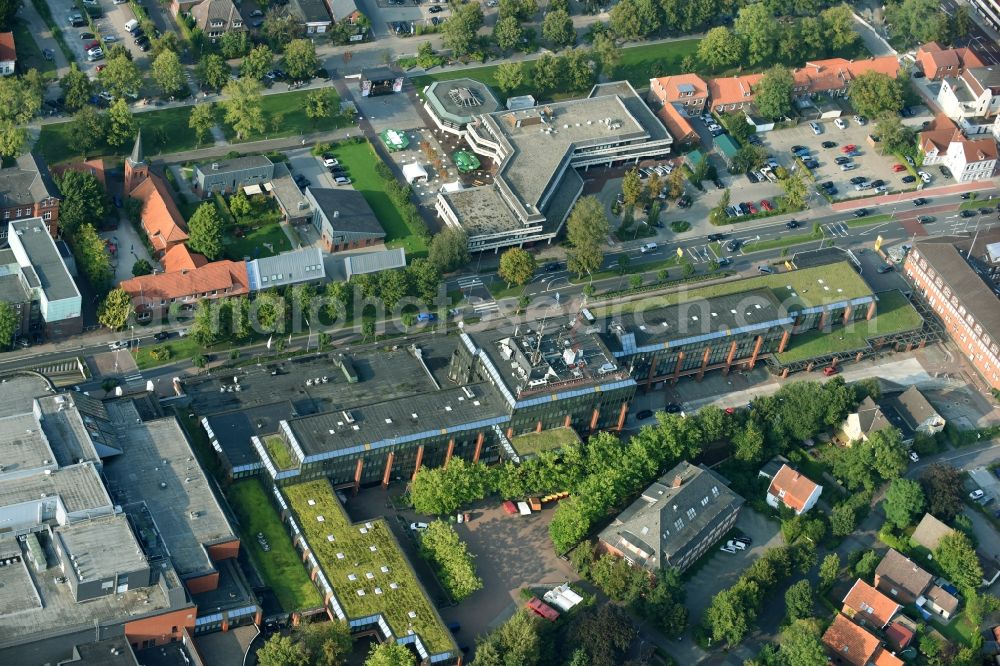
797,488
837,73
733,89
942,132
867,603
95,167
849,642
7,49
678,126
666,88
179,258
899,635
936,61
885,658
226,278
161,219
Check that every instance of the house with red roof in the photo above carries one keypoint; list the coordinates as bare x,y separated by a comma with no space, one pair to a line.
793,489
156,293
849,645
180,258
8,54
160,218
968,158
938,62
687,92
867,606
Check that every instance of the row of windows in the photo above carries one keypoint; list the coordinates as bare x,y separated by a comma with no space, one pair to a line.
945,295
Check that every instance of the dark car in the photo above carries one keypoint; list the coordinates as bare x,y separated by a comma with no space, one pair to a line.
797,149
715,237
755,140
884,268
918,74
745,209
751,177
944,171
553,266
86,35
723,261
733,245
161,336
143,45
684,201
643,415
841,159
968,213
906,112
985,211
861,212
436,9
718,185
791,224
909,179
966,195
919,201
925,219
672,408
829,144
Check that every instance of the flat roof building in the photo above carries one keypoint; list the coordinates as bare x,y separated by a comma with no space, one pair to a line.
455,103
537,151
295,267
344,219
46,277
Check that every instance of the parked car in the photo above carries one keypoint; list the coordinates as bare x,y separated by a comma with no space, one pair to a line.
734,245
829,144
672,408
841,159
968,213
985,211
848,166
330,161
161,336
944,171
924,176
728,549
976,494
816,128
830,371
898,168
752,178
909,179
848,148
764,269
643,415
861,120
342,180
914,457
766,205
738,545
840,123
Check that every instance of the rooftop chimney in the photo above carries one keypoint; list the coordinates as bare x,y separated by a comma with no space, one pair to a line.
677,482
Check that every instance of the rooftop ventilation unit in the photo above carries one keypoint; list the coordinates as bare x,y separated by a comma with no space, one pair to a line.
348,416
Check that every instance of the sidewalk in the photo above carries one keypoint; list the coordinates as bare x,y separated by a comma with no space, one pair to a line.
890,199
43,36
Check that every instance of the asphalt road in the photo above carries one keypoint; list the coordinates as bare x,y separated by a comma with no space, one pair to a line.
977,38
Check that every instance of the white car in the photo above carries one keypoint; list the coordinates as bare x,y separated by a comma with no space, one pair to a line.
738,545
418,527
330,162
342,180
109,39
816,128
118,344
840,123
914,457
648,247
728,549
976,494
924,176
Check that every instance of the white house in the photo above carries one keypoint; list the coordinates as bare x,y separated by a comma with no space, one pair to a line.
8,54
975,93
794,490
967,159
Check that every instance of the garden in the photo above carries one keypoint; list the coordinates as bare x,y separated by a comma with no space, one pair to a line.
285,115
365,566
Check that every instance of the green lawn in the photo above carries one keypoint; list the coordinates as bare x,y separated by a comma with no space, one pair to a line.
281,567
639,64
343,549
29,56
280,454
163,131
285,115
546,440
253,243
894,314
784,241
360,159
865,221
180,348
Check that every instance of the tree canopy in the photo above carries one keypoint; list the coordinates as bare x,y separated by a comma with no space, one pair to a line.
449,249
205,229
587,231
875,94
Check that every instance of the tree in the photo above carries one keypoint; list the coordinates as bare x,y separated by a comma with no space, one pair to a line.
517,266
205,230
756,26
587,231
896,137
843,519
865,568
460,30
87,130
799,600
748,443
441,491
748,158
801,644
202,120
212,72
605,634
319,104
904,501
122,126
578,69
141,267
282,651
257,63
243,106
918,22
455,566
234,44
888,453
301,61
280,27
795,191
557,28
84,200
168,73
508,33
116,309
509,76
732,612
942,486
166,42
774,92
829,570
838,27
961,21
957,558
675,182
607,52
449,249
8,11
876,95
632,187
8,324
425,277
92,258
327,643
76,87
516,641
547,72
625,21
720,48
121,77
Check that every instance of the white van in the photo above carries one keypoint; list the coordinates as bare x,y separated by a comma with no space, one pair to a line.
131,25
648,247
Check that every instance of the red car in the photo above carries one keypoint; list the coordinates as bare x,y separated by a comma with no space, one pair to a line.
830,371
92,45
848,148
753,209
766,205
898,167
510,507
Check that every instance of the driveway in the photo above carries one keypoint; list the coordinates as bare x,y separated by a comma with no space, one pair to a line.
718,570
303,162
989,540
987,481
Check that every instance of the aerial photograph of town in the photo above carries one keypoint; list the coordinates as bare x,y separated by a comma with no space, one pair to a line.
499,333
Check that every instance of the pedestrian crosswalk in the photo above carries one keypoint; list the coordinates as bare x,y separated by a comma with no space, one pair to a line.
836,229
134,379
477,295
469,282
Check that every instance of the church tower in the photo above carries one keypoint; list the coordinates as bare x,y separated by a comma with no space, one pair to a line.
136,169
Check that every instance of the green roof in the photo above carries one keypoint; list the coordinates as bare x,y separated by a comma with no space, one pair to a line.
695,157
546,440
394,139
362,550
726,144
465,161
813,286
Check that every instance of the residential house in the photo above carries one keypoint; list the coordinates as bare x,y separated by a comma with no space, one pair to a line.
180,258
848,644
677,124
772,467
94,167
158,293
159,217
45,279
968,159
794,490
919,415
975,93
937,62
313,14
27,190
8,54
929,532
727,148
900,633
226,176
344,219
344,11
939,600
866,605
732,93
675,521
295,267
900,578
217,17
687,92
869,418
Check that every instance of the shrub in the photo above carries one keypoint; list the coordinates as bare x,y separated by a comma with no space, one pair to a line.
679,226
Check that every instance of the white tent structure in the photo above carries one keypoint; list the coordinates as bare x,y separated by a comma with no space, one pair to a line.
456,186
414,173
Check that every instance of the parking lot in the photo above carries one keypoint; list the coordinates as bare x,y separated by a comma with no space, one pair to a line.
110,26
388,13
869,163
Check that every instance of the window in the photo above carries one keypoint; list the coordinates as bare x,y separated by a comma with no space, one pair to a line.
715,491
691,514
679,524
46,216
704,500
